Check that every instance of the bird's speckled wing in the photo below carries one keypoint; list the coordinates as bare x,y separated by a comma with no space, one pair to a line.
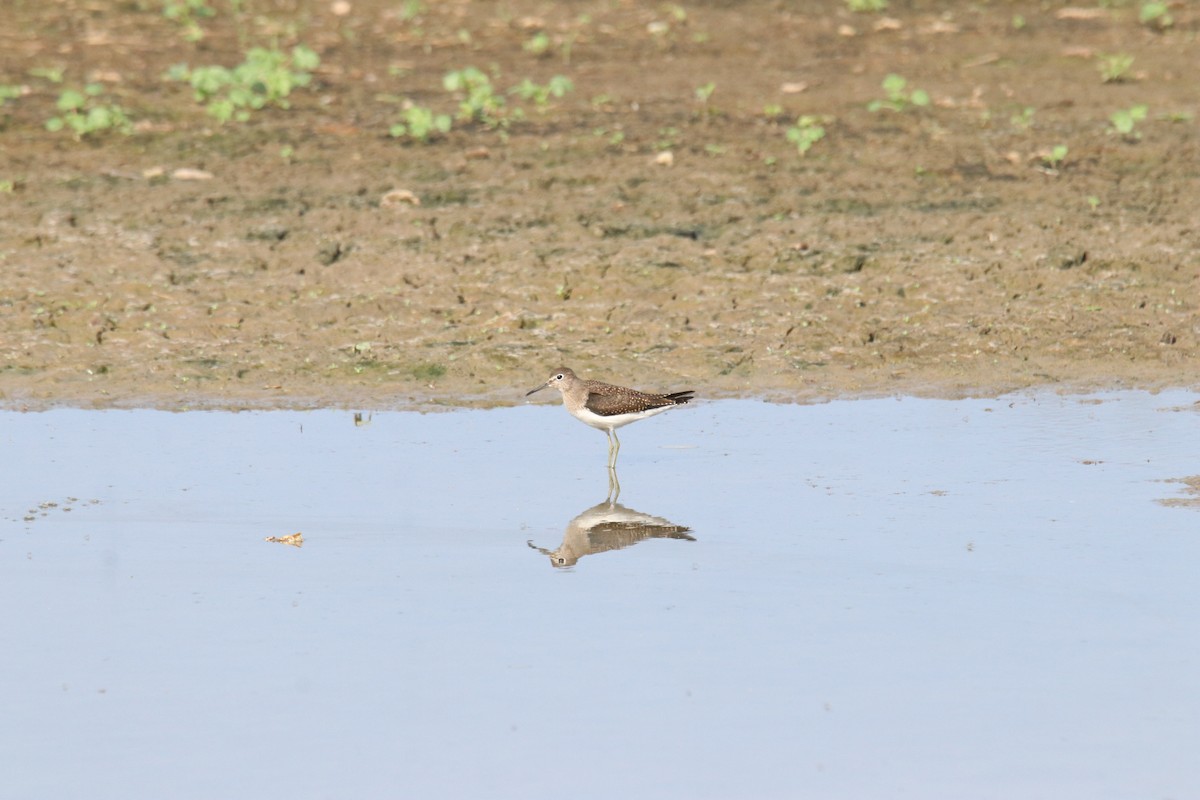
607,400
617,535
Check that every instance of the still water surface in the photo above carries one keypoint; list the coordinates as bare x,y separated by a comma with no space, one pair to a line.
868,598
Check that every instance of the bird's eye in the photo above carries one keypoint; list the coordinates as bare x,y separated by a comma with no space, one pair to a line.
559,377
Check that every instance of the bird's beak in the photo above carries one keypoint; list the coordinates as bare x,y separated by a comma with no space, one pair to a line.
538,389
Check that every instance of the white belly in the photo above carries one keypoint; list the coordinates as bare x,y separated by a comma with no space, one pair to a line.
616,420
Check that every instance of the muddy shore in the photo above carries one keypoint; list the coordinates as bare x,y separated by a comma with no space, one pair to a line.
653,226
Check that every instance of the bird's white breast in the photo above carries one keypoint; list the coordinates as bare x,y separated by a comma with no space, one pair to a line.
614,421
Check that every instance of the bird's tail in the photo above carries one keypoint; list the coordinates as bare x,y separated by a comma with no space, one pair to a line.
679,398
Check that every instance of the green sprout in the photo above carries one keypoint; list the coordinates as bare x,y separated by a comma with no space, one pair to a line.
1055,157
668,138
1124,121
899,98
83,113
1114,68
1156,14
427,371
9,92
52,74
703,94
187,14
866,6
807,131
568,43
265,78
479,101
537,45
1023,119
411,9
420,124
558,87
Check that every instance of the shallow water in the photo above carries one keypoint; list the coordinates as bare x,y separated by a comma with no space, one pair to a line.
875,598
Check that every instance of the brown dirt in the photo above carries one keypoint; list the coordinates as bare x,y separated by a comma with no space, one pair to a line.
922,251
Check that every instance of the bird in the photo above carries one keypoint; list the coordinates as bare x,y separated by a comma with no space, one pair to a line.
607,407
609,526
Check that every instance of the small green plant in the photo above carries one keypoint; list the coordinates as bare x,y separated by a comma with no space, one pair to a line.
427,371
479,101
537,45
52,74
265,78
1156,14
187,14
558,87
1023,119
899,97
703,95
568,44
772,111
668,138
9,92
1114,68
1054,157
866,6
807,131
420,123
84,113
1125,121
411,10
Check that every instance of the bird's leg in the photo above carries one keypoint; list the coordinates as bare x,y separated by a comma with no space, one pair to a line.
617,449
614,486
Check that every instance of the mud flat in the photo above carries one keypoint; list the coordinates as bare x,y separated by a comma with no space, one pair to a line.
653,225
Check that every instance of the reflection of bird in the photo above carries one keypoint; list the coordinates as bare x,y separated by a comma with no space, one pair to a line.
609,526
608,407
